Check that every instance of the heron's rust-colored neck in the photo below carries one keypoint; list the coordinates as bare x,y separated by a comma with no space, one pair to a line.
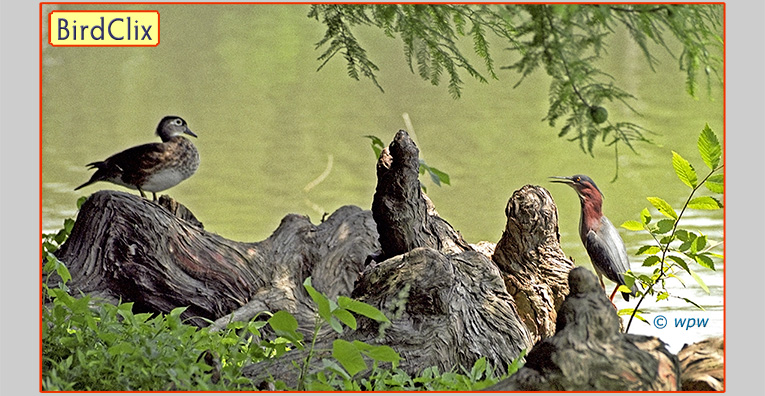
592,211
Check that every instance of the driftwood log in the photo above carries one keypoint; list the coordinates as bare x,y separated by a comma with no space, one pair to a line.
449,302
589,353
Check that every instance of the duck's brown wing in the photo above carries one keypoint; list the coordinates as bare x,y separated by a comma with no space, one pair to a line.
130,166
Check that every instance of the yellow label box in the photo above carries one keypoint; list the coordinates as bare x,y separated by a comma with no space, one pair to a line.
103,28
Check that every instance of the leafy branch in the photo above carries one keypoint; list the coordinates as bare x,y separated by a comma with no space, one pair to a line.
663,255
566,40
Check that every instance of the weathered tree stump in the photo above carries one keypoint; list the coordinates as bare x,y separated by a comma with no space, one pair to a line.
446,310
125,247
405,218
589,353
533,265
703,365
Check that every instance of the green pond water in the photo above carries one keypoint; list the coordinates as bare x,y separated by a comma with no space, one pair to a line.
245,79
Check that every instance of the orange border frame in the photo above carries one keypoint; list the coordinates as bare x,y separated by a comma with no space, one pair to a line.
725,223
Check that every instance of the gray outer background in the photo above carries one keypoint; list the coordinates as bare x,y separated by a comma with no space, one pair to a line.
20,211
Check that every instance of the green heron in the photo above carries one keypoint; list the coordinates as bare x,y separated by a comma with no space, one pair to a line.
152,167
601,239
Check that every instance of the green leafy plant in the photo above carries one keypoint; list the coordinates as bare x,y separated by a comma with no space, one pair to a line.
349,354
676,248
567,41
89,344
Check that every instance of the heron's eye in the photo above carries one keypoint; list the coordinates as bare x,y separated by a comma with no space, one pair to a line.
578,179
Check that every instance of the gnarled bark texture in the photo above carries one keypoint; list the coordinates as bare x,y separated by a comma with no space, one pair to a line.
532,263
446,310
703,365
589,353
125,247
405,218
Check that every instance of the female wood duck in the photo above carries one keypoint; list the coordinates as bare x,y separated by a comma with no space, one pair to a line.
152,167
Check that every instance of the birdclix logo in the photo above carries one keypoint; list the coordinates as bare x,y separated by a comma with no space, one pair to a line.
103,28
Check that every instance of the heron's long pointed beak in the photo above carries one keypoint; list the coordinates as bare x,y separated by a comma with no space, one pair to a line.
561,179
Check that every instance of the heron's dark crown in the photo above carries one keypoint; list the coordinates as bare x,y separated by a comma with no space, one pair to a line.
583,182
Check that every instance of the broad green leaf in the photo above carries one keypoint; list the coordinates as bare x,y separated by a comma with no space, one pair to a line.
479,368
699,244
345,317
716,184
322,302
680,262
632,225
176,312
629,311
80,201
122,348
645,216
683,235
517,363
648,250
335,325
662,296
442,177
709,147
646,279
699,281
377,145
651,260
381,353
349,356
361,308
624,289
333,367
663,207
285,325
706,203
705,261
684,170
664,226
62,271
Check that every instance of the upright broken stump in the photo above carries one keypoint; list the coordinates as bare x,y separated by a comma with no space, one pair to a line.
589,353
405,218
532,263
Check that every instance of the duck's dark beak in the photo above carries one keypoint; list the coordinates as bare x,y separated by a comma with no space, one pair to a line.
188,132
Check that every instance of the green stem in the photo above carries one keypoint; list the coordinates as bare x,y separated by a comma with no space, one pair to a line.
665,248
307,363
